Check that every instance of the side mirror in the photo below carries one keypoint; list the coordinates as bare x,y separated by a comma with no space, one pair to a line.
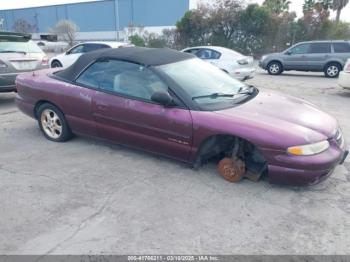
289,52
162,98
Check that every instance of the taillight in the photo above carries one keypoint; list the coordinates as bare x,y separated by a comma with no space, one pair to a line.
45,60
2,64
347,68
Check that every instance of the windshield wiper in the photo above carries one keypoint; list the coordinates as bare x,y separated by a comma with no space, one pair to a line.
213,96
13,51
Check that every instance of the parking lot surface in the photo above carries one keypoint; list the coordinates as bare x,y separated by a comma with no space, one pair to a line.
87,196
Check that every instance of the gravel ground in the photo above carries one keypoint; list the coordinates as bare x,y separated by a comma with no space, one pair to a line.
87,196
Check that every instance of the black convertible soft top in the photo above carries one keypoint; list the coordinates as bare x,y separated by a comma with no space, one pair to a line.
139,55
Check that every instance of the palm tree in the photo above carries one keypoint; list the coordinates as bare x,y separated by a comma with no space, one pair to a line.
277,6
338,5
308,6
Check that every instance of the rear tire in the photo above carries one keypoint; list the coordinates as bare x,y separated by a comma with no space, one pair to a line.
275,68
332,70
53,123
55,64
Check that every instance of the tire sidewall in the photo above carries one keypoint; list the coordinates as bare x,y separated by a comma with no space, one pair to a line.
66,132
328,66
274,63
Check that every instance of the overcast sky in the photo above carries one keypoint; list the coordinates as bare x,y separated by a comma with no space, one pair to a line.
296,5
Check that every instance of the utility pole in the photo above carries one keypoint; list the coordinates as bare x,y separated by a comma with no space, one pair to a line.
117,21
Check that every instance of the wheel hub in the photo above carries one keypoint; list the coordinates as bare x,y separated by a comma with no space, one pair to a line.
231,170
51,124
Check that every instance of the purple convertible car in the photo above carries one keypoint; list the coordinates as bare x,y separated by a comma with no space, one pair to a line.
176,105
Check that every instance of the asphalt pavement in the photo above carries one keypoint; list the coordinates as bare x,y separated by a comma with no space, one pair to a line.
87,196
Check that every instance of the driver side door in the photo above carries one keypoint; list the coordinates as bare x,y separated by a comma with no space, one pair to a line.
72,55
296,57
125,113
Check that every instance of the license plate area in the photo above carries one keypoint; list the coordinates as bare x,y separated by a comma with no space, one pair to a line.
24,65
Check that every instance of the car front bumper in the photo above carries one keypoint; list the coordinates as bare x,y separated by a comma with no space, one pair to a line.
243,73
305,170
262,65
344,80
7,82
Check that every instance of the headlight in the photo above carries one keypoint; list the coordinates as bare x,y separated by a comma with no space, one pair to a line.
263,57
307,150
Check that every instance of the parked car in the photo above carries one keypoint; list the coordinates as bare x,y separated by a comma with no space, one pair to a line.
237,65
344,76
69,57
18,53
316,56
52,46
174,104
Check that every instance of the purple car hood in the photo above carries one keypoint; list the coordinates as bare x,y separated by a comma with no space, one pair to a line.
286,118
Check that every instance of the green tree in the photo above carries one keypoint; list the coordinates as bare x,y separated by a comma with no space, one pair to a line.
277,7
137,40
224,22
308,6
156,41
255,25
255,29
193,27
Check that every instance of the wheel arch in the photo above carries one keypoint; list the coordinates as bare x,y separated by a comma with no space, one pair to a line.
217,144
333,62
55,60
41,102
275,61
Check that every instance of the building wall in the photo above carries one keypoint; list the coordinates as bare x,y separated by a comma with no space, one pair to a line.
100,16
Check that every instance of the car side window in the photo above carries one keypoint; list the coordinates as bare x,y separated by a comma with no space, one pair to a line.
192,51
92,47
123,78
207,54
300,49
77,50
92,76
320,48
341,47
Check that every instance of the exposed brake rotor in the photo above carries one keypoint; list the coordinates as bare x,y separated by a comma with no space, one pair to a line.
231,170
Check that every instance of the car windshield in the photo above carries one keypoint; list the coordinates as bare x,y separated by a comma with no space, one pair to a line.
204,83
19,47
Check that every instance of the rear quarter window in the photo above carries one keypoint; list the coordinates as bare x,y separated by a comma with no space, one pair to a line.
341,47
26,46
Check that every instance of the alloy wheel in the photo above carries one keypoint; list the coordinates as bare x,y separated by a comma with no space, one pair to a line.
332,71
51,124
274,68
